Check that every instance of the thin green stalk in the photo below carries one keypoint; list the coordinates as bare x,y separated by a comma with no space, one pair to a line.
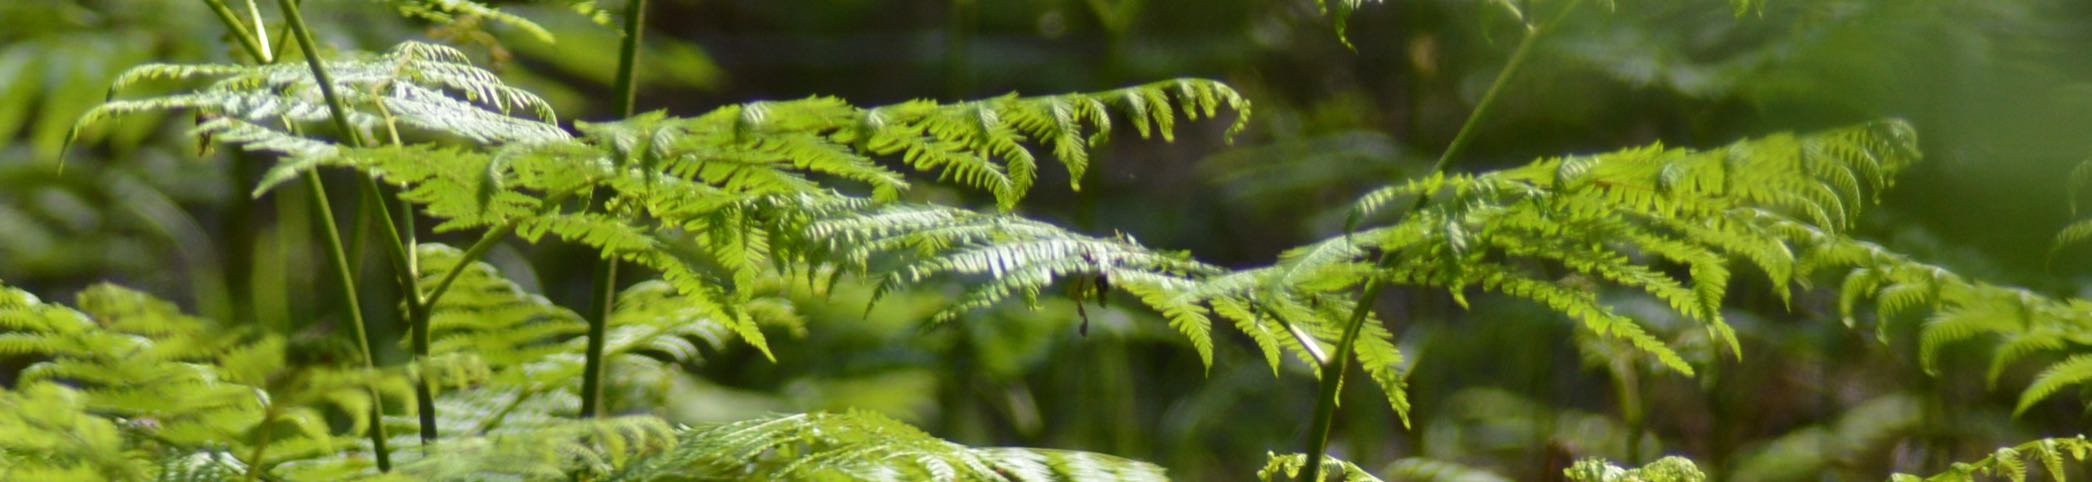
599,320
337,256
247,38
1627,388
399,251
1333,370
602,297
317,196
267,435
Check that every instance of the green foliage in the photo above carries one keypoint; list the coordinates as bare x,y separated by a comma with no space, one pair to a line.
1861,431
504,359
1667,469
722,178
1288,467
168,396
1418,469
2012,462
730,206
130,378
864,446
2020,323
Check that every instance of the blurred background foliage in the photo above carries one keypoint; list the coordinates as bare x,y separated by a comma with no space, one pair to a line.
1999,90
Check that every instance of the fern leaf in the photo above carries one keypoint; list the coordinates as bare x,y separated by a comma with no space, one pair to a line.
1667,469
1289,466
859,445
2072,371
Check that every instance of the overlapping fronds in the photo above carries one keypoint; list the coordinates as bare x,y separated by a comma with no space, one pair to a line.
2012,463
414,86
562,449
136,357
664,179
1667,469
2017,322
1626,218
50,436
511,356
487,316
128,374
1288,467
864,446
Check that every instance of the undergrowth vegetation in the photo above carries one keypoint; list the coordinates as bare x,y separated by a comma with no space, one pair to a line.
725,237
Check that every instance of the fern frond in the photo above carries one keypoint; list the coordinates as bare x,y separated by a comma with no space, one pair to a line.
567,448
1418,469
2072,371
2011,462
52,436
862,445
1289,466
486,316
158,380
414,85
1667,469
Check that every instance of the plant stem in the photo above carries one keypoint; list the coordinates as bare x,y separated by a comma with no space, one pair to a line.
1333,370
317,193
302,34
602,298
1627,387
247,38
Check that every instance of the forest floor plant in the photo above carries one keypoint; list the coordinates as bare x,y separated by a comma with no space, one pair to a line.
727,206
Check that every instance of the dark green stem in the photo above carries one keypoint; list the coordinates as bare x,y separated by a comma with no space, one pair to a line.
600,304
399,250
1333,369
602,298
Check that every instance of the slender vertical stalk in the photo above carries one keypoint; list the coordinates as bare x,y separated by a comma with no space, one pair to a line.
248,39
337,256
1627,389
240,237
1333,369
253,42
602,299
399,251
